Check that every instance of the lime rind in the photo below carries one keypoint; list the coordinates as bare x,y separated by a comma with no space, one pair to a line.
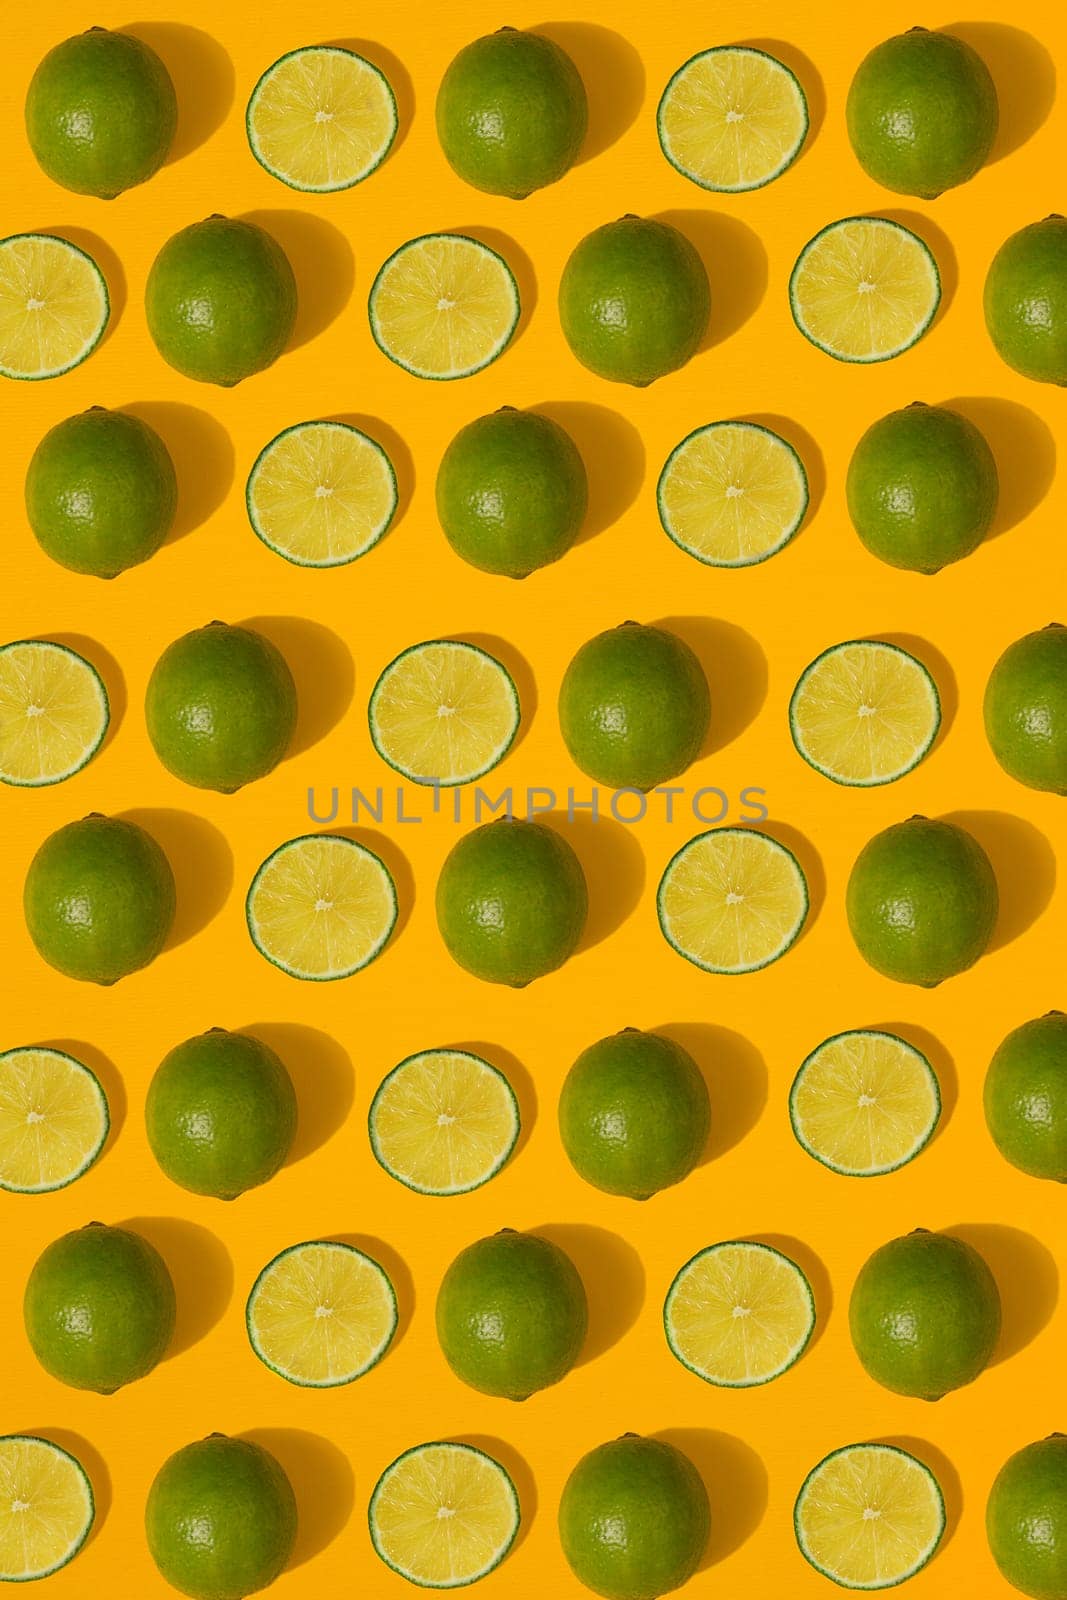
263,458
320,977
787,943
79,1473
493,759
499,346
341,183
922,675
262,1278
379,1488
794,1354
812,1477
678,454
92,1155
920,1142
90,345
877,356
788,156
105,713
390,1080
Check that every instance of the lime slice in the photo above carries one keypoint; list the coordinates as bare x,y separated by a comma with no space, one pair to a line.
321,907
54,1119
321,494
46,1508
321,1314
321,119
864,713
444,712
869,1516
54,712
739,1314
54,306
732,118
444,306
444,1122
732,494
732,900
443,1515
864,289
864,1103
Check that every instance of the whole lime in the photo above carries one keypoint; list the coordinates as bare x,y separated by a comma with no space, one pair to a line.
634,707
221,1113
922,901
634,1114
99,899
101,492
511,113
220,707
922,488
511,901
99,1308
634,1519
221,1518
634,300
1026,301
1026,1519
101,113
924,1314
221,301
1026,1097
1025,709
511,1314
922,113
512,492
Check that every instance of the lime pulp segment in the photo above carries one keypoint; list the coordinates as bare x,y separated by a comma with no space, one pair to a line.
321,1314
739,1314
864,713
444,712
54,306
321,119
732,900
864,289
444,306
321,907
869,1516
443,1515
732,494
54,712
46,1508
732,119
321,494
444,1122
864,1103
54,1119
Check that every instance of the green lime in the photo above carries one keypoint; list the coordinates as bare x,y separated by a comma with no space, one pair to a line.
922,901
1026,301
511,492
1026,1097
99,1308
99,899
221,301
634,707
220,1519
101,113
922,488
1026,709
634,300
634,1114
1026,1519
220,707
634,1519
511,1314
511,901
101,492
922,113
221,1113
511,113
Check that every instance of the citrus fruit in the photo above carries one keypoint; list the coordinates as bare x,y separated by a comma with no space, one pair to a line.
220,1518
101,113
739,1314
321,494
511,901
732,118
634,707
444,306
634,300
1026,301
54,1120
221,301
869,1516
221,707
924,1315
1026,1097
732,494
443,1515
321,1314
321,907
511,492
511,1315
634,1114
634,1519
220,1113
864,713
54,306
321,119
99,899
443,1122
864,1103
922,113
864,289
1026,709
922,901
922,488
46,1507
99,1308
732,900
54,712
444,712
1026,1519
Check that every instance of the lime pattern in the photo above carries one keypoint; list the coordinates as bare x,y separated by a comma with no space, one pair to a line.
732,119
444,712
444,306
869,1516
865,289
444,1122
732,494
321,1314
739,1314
321,907
864,713
46,1507
321,494
865,1103
321,119
54,713
54,1119
444,1515
54,306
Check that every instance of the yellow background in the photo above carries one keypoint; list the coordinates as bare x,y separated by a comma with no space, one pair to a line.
755,629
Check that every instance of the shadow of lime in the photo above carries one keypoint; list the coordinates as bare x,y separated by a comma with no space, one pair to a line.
1023,862
614,78
735,667
940,669
94,1465
614,458
322,1481
323,265
1025,77
322,1075
200,1266
736,1076
806,74
110,672
613,866
941,248
203,78
203,459
110,1081
811,866
109,264
1024,451
399,80
323,671
202,863
736,1481
813,1269
521,674
398,1273
947,1477
521,1082
807,449
736,264
517,1469
1026,1275
614,1279
399,455
942,1063
522,269
398,867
